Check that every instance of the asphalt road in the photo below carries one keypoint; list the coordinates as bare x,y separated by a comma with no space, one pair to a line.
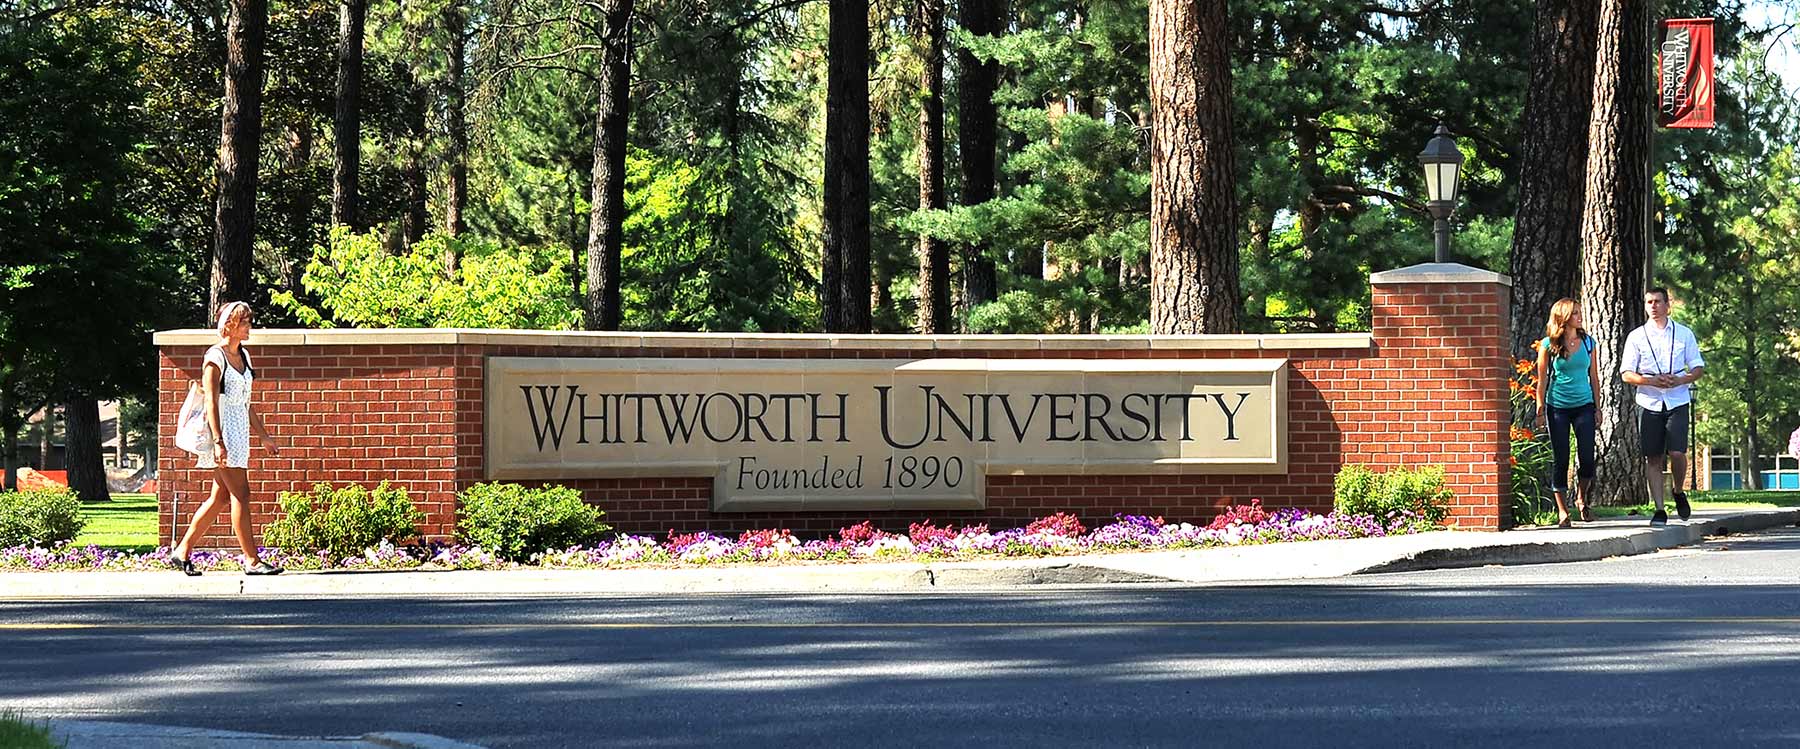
1689,647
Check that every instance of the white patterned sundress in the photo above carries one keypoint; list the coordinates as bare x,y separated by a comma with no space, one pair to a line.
234,410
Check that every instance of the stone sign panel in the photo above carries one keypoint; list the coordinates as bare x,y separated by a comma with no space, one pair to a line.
833,434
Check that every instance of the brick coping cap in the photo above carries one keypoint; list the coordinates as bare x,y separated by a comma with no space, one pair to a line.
1439,273
777,341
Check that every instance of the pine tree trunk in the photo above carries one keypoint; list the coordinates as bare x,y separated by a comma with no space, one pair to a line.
10,423
1310,212
46,435
1613,234
418,216
347,124
934,254
455,18
846,214
1546,248
977,133
1753,395
884,293
240,137
606,214
81,450
1260,222
10,440
1193,208
1751,478
298,157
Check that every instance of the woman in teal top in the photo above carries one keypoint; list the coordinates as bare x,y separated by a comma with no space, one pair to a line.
1568,376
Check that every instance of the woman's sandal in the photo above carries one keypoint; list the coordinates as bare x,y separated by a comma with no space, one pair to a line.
1587,516
1565,522
186,566
263,568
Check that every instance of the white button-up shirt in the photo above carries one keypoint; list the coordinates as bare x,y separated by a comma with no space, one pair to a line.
1668,350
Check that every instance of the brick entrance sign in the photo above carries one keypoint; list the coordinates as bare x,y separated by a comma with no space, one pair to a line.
729,432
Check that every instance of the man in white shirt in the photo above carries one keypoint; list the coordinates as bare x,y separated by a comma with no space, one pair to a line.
1662,359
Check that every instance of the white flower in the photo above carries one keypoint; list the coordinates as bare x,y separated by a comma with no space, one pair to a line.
711,548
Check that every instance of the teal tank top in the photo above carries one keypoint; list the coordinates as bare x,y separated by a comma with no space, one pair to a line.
1569,386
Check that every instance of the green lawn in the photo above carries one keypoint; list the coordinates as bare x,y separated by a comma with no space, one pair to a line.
1722,499
127,523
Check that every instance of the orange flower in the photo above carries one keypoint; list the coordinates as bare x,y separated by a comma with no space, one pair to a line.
1521,433
1514,459
1524,366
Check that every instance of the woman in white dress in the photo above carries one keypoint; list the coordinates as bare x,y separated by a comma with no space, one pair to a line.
226,379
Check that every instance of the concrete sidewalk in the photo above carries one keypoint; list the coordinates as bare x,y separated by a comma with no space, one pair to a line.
89,734
1269,562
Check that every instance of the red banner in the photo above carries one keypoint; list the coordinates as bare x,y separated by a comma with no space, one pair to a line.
1684,68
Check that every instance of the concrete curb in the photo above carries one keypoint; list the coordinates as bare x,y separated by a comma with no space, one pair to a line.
1640,541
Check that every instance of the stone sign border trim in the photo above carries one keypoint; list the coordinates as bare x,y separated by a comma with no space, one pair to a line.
777,341
1275,369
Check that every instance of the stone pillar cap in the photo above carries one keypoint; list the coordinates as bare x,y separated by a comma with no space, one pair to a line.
1439,273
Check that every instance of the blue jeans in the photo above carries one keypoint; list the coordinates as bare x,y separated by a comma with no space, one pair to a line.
1581,419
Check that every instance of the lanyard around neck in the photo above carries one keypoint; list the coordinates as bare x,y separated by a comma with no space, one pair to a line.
1650,343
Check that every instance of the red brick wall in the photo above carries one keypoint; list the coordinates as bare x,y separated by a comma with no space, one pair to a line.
342,414
1430,390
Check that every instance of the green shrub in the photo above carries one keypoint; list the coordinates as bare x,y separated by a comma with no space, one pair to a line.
39,517
343,521
513,521
1399,492
18,733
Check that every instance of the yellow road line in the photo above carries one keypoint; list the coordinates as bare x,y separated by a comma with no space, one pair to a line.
336,626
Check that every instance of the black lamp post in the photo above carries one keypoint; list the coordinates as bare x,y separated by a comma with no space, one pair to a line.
1443,166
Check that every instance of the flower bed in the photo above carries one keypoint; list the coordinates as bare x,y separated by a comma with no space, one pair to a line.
1056,535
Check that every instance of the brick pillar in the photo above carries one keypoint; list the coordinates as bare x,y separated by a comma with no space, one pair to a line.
1441,334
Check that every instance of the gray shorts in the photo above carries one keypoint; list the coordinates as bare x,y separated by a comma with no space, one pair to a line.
1663,432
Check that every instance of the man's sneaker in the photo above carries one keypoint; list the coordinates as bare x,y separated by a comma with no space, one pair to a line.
1681,505
1660,518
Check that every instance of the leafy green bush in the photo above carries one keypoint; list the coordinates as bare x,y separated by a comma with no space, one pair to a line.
514,521
39,517
343,521
18,733
1399,492
360,283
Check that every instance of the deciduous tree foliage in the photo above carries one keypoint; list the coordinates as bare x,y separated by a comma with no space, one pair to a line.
359,283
